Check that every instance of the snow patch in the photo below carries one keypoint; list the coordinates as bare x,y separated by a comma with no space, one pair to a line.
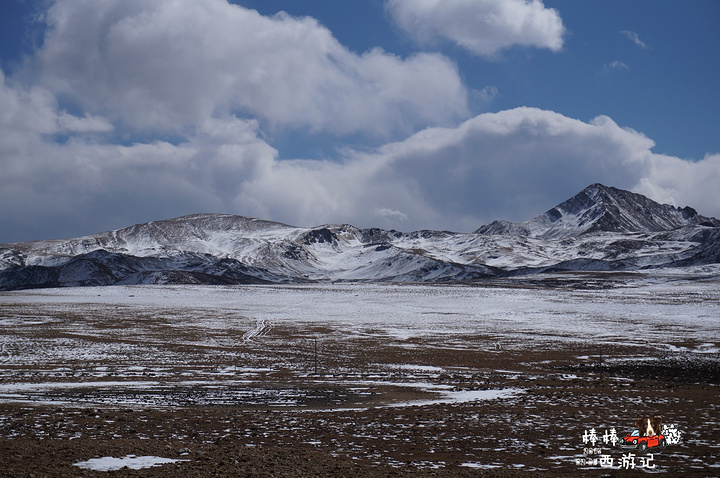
419,368
479,465
132,462
463,396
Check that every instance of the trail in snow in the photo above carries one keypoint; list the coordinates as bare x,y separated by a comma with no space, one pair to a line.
262,326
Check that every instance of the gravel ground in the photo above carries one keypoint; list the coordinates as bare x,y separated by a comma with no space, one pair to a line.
538,431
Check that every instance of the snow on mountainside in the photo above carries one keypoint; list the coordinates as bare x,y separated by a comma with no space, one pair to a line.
601,228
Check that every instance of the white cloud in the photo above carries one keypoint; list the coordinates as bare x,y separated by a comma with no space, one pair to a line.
635,38
52,189
483,27
202,69
619,65
391,213
169,64
512,165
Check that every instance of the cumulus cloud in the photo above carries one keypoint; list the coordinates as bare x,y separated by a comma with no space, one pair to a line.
52,189
218,77
512,165
484,27
169,64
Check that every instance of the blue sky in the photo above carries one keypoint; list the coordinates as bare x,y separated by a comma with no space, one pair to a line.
401,114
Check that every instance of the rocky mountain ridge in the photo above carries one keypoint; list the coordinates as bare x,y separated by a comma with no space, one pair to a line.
601,228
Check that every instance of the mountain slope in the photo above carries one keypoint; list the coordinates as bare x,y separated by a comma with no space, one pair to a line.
601,228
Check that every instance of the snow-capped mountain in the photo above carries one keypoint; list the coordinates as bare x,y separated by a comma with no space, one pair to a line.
601,228
599,208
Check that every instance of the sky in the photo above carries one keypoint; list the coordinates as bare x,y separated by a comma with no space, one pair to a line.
399,114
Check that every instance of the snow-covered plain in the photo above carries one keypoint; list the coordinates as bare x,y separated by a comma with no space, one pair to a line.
642,309
151,337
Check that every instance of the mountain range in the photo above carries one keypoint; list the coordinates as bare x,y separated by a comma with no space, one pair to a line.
600,228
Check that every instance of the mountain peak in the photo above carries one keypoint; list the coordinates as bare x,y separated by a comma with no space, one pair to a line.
600,208
169,231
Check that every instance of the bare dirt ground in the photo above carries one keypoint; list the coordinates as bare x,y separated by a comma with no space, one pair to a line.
269,403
